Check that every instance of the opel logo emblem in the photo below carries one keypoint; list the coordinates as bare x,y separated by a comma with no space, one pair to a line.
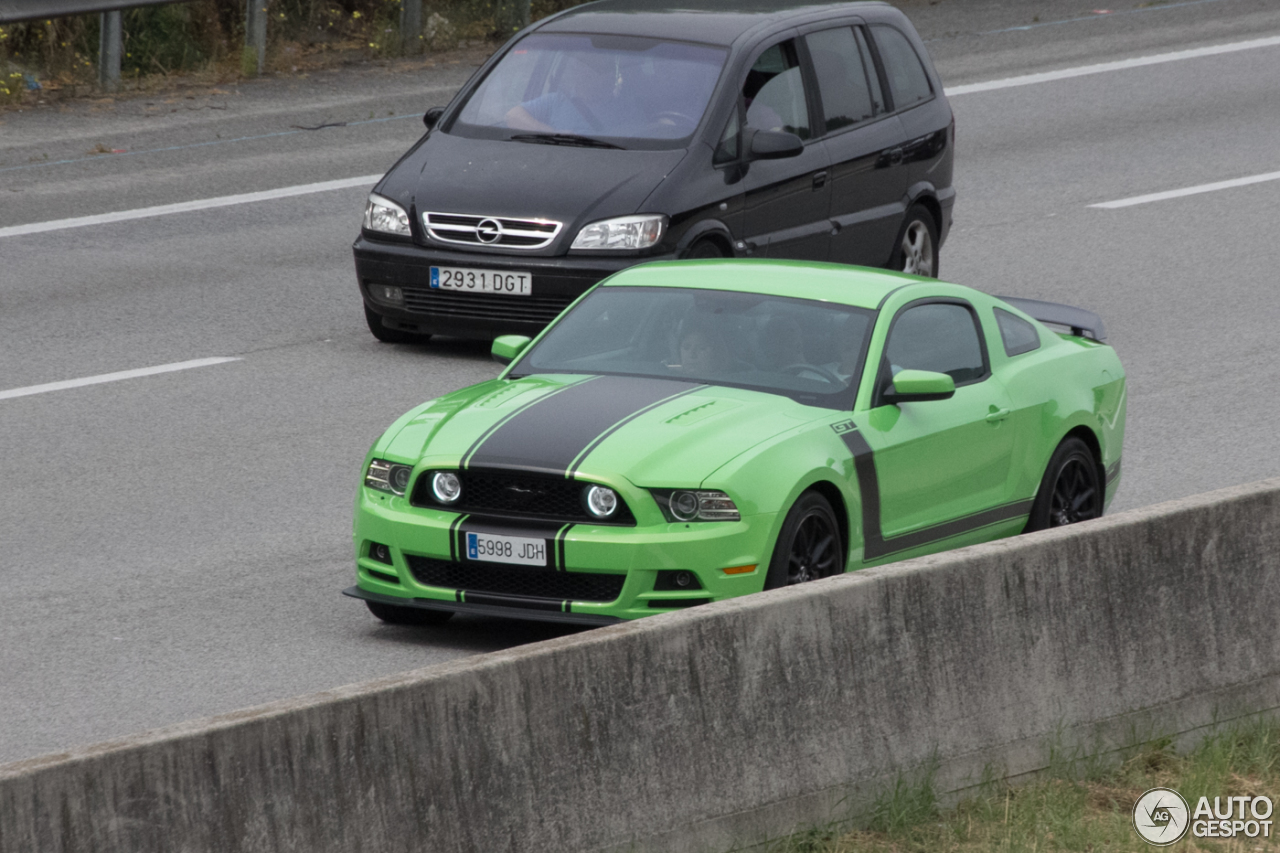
489,231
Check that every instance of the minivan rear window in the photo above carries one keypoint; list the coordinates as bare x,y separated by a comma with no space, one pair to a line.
631,91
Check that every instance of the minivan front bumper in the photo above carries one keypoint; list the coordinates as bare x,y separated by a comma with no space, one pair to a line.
557,281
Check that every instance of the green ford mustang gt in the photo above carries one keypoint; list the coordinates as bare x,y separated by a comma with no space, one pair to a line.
695,430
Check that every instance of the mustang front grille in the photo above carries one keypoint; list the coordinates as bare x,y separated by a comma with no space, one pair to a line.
498,579
468,230
511,494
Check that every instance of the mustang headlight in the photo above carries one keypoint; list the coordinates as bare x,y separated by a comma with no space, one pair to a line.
625,232
382,214
388,476
696,505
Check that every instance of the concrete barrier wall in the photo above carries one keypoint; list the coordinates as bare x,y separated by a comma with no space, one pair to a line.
723,725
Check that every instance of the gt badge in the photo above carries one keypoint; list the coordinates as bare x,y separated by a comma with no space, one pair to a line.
844,426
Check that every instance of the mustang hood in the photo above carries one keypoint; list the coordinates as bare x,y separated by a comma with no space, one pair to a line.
654,432
486,177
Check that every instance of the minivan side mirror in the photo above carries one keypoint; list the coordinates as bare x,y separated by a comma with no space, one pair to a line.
914,386
507,347
772,144
432,116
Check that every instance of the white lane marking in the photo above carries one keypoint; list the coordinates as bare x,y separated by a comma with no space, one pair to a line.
111,377
1103,67
184,206
1202,188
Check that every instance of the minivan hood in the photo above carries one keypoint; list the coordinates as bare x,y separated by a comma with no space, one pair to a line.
488,177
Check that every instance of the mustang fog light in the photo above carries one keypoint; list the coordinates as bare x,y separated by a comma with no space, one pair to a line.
602,501
625,232
382,214
380,552
388,476
446,487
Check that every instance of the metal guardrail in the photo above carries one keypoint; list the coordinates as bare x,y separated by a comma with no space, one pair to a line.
17,11
111,38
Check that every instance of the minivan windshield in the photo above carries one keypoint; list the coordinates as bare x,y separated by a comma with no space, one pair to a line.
803,349
560,88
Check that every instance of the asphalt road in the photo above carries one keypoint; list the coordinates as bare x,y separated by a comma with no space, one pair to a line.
172,546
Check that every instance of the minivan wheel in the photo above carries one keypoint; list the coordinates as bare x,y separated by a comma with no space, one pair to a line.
704,249
388,335
916,251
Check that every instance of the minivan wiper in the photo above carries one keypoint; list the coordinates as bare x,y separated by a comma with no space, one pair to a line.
563,139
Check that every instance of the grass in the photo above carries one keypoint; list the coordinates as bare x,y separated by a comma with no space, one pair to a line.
1080,805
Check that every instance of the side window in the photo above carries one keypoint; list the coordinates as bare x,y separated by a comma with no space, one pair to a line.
869,66
908,81
842,77
1018,335
939,336
774,92
730,142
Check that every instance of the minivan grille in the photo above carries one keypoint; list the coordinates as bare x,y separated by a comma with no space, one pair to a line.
486,306
469,230
505,580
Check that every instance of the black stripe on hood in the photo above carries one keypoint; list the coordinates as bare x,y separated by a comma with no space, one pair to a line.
547,436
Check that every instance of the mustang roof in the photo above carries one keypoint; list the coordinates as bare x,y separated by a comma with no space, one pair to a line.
707,21
858,286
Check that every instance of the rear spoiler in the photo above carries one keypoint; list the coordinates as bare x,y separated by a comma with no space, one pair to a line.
1082,323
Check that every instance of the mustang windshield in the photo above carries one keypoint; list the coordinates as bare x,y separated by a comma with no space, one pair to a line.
809,351
553,88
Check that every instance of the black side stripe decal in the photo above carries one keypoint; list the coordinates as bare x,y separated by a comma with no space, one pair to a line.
1113,472
874,543
548,435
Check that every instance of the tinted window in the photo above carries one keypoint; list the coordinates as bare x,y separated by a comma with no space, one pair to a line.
601,86
908,81
730,141
942,337
774,92
842,77
1018,335
807,350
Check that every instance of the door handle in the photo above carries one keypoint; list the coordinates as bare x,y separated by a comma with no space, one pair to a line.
819,180
997,415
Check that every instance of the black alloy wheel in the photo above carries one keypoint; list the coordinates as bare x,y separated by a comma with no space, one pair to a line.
916,251
1072,489
388,335
395,615
809,545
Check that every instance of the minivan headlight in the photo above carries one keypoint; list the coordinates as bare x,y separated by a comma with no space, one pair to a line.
384,215
624,232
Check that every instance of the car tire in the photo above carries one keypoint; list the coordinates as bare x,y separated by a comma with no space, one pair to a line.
388,335
916,250
395,615
809,545
1072,488
704,249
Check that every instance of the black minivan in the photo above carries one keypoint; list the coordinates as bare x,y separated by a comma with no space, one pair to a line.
623,131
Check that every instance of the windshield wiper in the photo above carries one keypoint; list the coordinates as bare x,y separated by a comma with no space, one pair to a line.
564,139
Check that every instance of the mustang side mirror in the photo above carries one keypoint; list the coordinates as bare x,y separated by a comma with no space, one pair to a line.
914,386
507,347
432,116
772,144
